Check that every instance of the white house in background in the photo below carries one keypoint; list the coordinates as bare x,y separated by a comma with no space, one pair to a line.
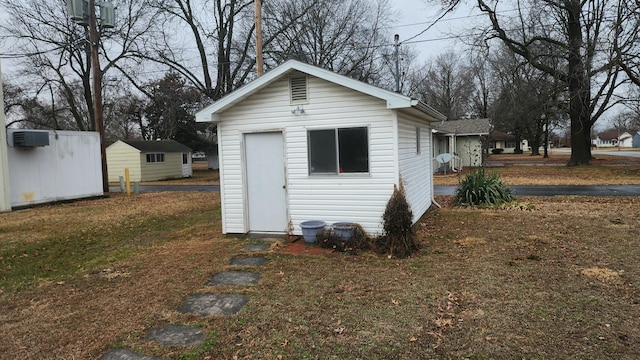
462,139
613,138
148,160
303,143
47,166
626,139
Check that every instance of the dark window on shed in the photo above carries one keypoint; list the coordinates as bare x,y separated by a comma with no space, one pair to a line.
333,151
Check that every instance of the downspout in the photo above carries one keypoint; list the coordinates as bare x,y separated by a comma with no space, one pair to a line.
433,198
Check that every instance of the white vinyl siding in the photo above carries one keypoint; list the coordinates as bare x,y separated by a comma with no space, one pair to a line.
359,198
415,167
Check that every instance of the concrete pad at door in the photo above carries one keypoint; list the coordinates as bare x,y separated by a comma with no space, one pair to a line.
256,247
249,261
125,354
213,304
176,335
234,278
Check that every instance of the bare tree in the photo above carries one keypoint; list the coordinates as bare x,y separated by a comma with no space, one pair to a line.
56,55
482,94
348,37
627,40
14,98
578,34
448,86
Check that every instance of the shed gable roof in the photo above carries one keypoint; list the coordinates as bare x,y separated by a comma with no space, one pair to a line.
157,146
394,100
464,127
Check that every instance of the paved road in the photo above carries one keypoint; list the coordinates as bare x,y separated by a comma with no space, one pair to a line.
596,152
599,190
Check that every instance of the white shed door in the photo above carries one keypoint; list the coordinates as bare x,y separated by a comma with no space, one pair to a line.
186,165
266,191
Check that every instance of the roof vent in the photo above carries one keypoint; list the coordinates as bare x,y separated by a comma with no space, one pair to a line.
30,138
299,90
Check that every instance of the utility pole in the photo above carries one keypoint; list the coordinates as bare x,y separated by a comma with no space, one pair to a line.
97,91
83,12
396,38
258,20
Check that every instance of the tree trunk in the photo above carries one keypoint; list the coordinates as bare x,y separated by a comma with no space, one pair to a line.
546,137
579,91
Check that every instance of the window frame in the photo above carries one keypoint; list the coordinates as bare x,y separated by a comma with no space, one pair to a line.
157,157
337,171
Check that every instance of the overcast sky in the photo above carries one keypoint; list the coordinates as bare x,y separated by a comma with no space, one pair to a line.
417,15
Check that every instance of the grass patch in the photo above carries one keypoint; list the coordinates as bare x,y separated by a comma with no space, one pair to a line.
56,253
558,281
535,170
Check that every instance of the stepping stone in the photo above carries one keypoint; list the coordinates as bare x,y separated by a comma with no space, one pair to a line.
249,261
125,354
256,247
176,335
213,304
234,278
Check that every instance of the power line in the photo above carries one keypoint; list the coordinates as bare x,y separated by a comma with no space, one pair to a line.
441,19
21,56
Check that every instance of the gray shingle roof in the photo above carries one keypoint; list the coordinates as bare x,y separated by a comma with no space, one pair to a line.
158,146
464,127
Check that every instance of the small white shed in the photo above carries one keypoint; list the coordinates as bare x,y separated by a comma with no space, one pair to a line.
148,160
303,143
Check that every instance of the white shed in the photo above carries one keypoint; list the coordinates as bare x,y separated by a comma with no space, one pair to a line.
53,165
303,143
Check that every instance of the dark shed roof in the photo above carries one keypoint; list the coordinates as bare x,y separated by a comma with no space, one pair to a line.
157,146
501,136
464,127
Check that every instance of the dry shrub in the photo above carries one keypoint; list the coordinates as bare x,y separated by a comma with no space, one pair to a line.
359,241
398,239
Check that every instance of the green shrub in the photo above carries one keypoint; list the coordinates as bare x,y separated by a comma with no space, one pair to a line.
497,151
481,188
398,239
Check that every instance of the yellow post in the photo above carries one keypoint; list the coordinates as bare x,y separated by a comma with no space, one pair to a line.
127,185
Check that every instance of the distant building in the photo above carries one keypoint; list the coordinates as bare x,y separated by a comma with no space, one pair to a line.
47,166
148,160
462,139
635,142
613,138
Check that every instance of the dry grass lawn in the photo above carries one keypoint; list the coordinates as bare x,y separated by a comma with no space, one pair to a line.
558,282
535,170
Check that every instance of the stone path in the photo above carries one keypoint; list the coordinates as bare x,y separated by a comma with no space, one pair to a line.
176,335
213,304
204,304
